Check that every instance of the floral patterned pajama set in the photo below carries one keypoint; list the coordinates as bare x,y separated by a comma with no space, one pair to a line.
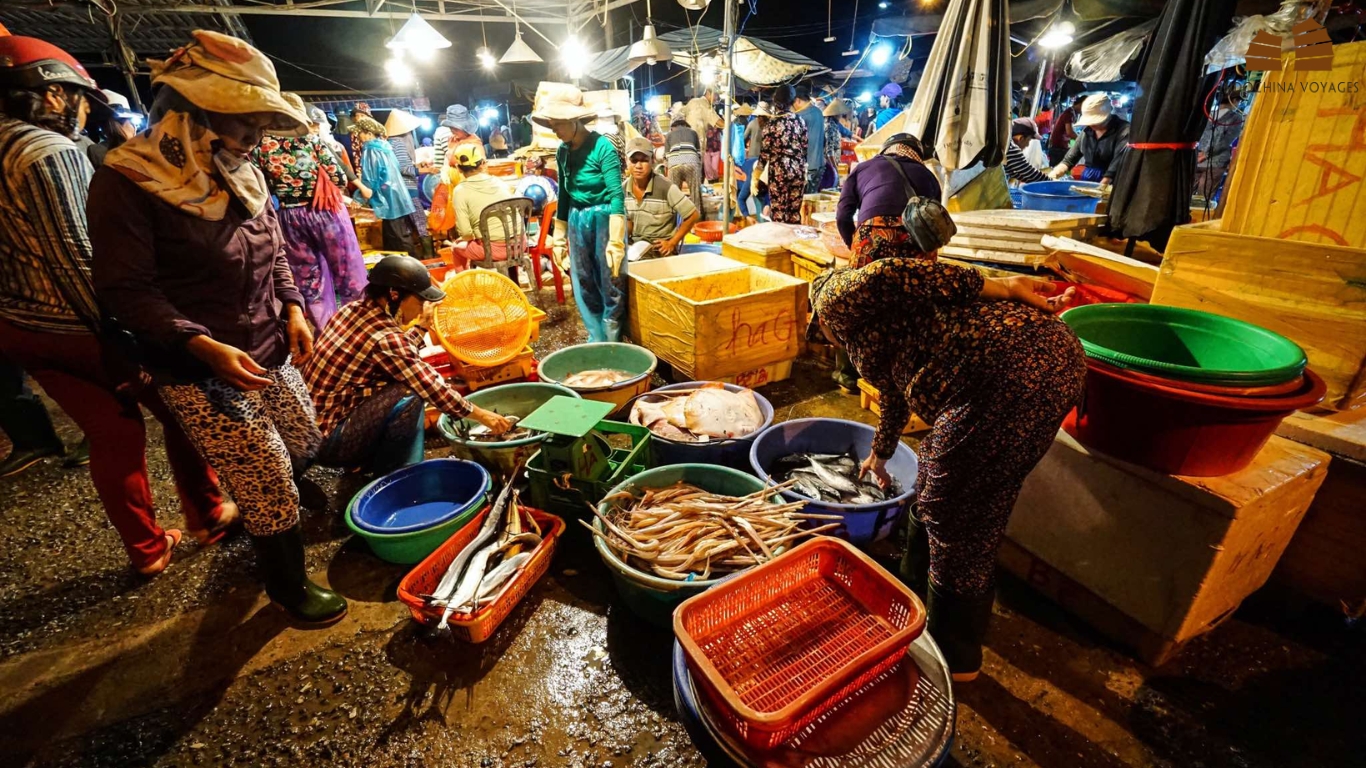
993,378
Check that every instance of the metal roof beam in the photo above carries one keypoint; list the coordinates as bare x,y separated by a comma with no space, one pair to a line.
285,10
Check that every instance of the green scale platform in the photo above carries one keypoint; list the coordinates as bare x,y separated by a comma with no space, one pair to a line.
577,464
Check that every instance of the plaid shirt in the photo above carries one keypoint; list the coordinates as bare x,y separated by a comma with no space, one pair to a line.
361,351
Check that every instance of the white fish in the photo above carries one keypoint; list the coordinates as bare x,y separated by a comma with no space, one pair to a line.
602,377
496,578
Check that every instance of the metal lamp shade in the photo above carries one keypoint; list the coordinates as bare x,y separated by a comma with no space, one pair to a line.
650,49
417,34
520,53
695,5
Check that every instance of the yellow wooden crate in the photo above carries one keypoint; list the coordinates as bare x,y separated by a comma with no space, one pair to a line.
724,323
1300,170
868,401
641,275
1313,294
774,257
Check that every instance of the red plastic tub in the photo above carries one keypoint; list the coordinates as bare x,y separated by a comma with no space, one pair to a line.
1273,390
1178,431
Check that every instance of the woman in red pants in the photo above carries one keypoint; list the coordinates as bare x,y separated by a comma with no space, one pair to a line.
49,322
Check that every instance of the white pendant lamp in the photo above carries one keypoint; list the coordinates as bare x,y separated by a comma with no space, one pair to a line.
417,35
649,49
519,52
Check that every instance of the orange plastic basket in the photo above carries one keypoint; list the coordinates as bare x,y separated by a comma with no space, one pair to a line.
479,626
782,644
485,319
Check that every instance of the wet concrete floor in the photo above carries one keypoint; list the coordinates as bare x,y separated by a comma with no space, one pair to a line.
99,667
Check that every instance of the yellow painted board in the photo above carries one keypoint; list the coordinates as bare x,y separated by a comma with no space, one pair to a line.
1313,294
1176,554
724,323
1301,170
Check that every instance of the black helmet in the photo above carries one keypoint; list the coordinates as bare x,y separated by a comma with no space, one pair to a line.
908,139
406,274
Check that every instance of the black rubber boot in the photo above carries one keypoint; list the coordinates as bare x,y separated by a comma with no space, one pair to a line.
281,558
958,625
845,375
915,562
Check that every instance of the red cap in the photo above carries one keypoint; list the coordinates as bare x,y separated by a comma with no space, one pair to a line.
28,62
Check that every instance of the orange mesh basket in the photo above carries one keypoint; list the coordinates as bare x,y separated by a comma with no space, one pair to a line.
480,625
485,319
782,644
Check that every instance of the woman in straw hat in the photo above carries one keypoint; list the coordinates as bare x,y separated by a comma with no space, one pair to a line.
590,219
783,154
306,179
388,198
835,132
190,259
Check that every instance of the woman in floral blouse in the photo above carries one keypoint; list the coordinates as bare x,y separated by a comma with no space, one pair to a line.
783,153
985,362
320,241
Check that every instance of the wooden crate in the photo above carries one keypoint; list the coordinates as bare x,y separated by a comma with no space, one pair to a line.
1327,558
641,275
720,324
1305,178
868,397
1173,556
1314,294
774,257
370,233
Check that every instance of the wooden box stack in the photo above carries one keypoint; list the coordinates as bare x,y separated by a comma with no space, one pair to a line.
1015,237
767,255
1153,560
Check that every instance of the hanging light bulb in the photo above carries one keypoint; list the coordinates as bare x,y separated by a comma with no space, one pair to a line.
485,57
399,72
418,37
574,56
1058,35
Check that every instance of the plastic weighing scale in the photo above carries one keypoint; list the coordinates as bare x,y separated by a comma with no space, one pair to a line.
576,465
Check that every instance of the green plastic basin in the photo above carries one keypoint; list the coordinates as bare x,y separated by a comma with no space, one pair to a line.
648,596
1186,344
639,361
411,548
518,400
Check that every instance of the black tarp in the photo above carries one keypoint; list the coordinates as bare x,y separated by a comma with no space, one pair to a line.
1153,189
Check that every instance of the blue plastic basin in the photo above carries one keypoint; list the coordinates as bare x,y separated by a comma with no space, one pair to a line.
863,523
1058,196
421,496
733,453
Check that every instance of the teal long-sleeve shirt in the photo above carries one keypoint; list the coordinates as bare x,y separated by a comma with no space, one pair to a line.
590,175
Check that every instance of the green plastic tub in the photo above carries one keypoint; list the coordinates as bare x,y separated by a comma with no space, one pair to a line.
1186,344
411,548
639,361
518,400
651,597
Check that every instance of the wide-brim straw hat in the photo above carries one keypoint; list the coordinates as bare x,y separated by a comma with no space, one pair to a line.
220,73
458,116
742,110
1095,110
763,110
562,108
837,108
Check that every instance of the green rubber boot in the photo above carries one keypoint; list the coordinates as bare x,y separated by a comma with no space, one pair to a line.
959,625
281,557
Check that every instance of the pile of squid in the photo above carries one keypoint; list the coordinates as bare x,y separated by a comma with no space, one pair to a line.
486,566
686,533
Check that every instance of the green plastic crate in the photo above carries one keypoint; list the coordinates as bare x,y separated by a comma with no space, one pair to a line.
575,501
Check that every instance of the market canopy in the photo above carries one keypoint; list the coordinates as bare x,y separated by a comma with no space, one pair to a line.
756,62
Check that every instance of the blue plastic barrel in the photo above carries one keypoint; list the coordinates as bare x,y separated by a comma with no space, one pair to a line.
1058,196
733,453
864,523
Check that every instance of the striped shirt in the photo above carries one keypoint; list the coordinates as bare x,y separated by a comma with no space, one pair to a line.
45,282
1018,168
441,143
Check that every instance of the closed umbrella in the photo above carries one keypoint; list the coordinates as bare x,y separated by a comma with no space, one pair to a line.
962,106
1153,188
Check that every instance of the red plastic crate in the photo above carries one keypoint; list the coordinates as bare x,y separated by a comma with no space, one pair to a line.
780,645
479,626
